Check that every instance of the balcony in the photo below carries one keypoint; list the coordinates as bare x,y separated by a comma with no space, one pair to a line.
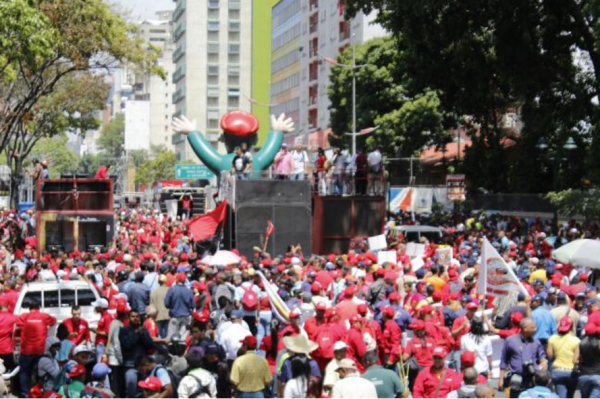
234,4
180,52
179,74
181,6
179,95
179,31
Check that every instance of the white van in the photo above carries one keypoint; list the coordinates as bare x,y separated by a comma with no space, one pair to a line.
57,299
413,233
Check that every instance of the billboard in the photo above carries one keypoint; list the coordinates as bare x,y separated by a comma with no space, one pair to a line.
137,125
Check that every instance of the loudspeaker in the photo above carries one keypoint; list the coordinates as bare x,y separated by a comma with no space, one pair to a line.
286,203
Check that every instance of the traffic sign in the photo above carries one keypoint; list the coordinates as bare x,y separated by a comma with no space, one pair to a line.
192,172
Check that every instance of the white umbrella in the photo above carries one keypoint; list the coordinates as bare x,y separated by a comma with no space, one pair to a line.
580,252
224,258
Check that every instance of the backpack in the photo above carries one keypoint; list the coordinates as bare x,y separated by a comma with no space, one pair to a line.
249,299
200,389
325,340
35,372
466,394
173,376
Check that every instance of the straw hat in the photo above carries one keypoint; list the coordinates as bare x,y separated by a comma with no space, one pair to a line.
299,344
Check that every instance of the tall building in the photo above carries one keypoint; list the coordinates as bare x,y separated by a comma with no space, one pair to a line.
213,40
305,33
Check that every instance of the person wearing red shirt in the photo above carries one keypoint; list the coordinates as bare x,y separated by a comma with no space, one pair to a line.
34,331
420,348
460,327
79,330
437,380
11,294
102,172
515,320
7,324
334,333
312,323
356,343
347,308
372,329
594,312
391,338
101,307
467,359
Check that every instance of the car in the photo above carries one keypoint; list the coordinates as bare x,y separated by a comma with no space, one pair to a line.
57,299
413,233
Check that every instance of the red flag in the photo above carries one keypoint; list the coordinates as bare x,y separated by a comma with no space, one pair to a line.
270,228
205,226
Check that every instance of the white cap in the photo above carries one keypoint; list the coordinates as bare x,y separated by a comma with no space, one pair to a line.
127,258
80,349
339,345
100,303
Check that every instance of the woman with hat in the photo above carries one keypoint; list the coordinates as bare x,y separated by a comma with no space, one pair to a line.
563,351
299,347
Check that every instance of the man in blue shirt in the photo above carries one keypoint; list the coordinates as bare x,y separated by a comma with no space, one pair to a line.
540,390
180,302
544,321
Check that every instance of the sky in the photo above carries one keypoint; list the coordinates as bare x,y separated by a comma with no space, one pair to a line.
145,9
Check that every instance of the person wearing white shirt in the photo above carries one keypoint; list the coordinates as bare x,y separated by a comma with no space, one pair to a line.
375,162
478,342
300,163
198,383
47,274
351,384
233,335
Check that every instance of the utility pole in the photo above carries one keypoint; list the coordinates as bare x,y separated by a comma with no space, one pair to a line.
353,94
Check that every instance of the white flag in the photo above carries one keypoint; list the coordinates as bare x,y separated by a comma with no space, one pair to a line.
495,277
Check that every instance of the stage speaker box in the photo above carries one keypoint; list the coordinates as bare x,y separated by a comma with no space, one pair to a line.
286,203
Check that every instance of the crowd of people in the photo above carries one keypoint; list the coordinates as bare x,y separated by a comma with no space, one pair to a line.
171,325
334,173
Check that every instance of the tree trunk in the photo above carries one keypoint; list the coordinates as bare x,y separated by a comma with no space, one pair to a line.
16,179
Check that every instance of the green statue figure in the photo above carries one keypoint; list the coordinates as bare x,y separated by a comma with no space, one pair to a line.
238,127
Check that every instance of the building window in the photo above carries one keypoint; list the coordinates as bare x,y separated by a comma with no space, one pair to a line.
233,92
234,14
212,91
234,26
234,80
234,48
233,102
234,4
213,4
213,70
233,70
213,25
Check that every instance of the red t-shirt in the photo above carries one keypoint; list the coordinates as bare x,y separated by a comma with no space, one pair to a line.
103,327
11,297
422,351
34,331
152,327
427,383
7,323
101,173
82,329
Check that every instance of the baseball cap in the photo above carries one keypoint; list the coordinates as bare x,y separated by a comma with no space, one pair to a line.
181,277
565,324
100,370
211,349
394,297
294,314
249,341
516,317
151,384
440,352
537,298
339,345
561,296
76,371
426,309
81,349
580,295
100,303
472,306
315,287
321,306
362,309
467,359
389,311
236,314
346,364
417,325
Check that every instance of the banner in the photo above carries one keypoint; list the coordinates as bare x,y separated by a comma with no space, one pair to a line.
495,277
378,242
414,250
281,310
205,226
455,184
386,256
270,229
423,200
444,255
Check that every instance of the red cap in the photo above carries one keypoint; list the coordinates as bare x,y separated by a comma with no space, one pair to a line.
590,329
122,306
76,370
239,123
556,280
249,341
321,306
294,314
331,258
151,384
362,309
452,274
201,317
315,288
331,313
472,306
394,297
281,268
467,359
183,257
349,292
389,311
583,277
455,296
565,324
417,325
181,277
426,309
437,296
559,266
516,318
356,319
440,352
380,272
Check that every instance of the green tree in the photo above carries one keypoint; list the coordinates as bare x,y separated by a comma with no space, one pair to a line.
577,203
112,137
407,120
485,58
160,167
60,159
44,41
